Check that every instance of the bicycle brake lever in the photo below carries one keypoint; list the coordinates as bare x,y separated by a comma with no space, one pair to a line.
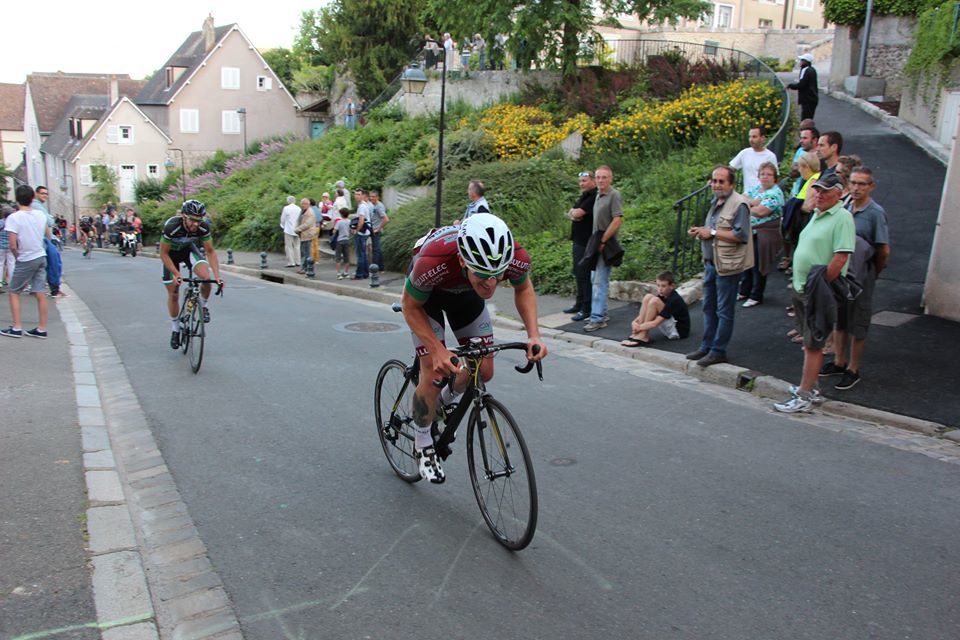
540,370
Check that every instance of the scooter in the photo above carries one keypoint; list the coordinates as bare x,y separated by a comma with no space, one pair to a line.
128,243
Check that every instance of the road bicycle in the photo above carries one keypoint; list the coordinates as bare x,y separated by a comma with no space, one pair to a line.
501,472
192,327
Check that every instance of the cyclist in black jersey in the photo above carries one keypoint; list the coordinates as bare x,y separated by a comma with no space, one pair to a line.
187,240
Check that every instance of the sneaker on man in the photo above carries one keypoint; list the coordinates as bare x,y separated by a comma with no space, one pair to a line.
206,314
750,303
591,326
10,332
430,468
847,380
796,404
36,333
831,369
815,396
175,340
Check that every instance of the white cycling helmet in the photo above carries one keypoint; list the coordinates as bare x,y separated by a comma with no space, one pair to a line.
485,243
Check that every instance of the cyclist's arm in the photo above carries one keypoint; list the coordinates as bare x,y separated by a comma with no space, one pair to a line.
525,299
168,261
419,323
213,260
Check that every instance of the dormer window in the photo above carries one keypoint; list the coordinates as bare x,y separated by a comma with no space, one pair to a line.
171,74
73,133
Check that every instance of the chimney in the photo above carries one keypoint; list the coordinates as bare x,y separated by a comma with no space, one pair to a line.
114,89
209,35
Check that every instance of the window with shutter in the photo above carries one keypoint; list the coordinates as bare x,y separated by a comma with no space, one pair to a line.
126,134
229,78
113,134
264,83
189,120
86,176
231,121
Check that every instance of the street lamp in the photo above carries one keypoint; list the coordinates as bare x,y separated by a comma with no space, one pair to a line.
414,81
242,113
169,165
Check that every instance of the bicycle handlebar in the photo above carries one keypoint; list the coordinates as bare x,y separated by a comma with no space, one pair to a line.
219,291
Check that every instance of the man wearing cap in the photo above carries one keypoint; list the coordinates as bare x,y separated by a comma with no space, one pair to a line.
821,257
806,87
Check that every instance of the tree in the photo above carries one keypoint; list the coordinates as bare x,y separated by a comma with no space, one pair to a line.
284,63
373,39
550,30
105,186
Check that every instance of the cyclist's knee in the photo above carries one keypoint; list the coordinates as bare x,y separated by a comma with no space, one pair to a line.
486,369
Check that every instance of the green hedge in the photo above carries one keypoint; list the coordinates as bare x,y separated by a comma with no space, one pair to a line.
852,13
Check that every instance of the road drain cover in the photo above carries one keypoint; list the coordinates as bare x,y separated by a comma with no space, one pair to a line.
370,327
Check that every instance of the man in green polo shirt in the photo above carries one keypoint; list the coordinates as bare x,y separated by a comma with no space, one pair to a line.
827,241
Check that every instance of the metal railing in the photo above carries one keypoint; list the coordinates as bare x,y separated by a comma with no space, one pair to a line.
692,208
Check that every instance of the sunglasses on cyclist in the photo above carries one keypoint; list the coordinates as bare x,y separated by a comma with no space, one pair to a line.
483,275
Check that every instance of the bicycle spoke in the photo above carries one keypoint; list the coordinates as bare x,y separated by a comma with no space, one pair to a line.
393,402
502,475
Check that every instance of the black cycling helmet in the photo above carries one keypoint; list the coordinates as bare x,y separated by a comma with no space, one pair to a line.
194,209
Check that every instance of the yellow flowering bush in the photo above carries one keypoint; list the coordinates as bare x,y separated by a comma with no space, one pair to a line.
725,110
521,132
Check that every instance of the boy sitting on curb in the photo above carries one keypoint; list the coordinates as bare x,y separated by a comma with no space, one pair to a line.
666,310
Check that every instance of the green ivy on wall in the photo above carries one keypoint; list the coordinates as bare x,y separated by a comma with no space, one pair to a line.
935,50
852,13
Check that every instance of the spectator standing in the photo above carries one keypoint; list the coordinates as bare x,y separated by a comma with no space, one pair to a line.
607,218
808,144
342,186
727,246
306,230
465,53
27,230
289,217
820,258
829,147
796,211
448,50
749,160
666,311
430,50
315,243
364,210
806,87
581,228
7,260
480,48
54,261
341,229
378,220
766,207
870,259
350,119
478,202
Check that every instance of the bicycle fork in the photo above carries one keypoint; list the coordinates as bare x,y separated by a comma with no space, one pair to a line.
483,425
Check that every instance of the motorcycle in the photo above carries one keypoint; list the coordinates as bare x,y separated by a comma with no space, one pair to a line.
128,243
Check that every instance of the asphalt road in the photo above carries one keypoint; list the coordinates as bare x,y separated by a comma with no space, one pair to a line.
669,508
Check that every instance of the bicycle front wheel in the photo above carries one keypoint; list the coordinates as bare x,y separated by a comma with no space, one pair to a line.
501,473
393,405
197,330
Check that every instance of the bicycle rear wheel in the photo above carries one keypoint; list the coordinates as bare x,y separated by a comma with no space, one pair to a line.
197,330
393,405
501,473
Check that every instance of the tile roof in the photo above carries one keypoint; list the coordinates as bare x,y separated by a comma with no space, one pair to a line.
59,142
189,56
51,92
11,106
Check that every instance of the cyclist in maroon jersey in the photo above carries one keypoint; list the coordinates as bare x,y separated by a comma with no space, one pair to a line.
456,269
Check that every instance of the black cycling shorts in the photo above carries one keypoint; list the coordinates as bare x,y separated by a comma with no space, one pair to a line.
467,313
190,256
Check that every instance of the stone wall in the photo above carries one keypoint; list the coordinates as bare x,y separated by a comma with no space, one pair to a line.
476,88
891,40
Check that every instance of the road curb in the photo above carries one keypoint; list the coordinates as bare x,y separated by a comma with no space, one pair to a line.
151,574
916,135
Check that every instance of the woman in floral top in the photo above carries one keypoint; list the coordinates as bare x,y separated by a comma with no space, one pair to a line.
766,206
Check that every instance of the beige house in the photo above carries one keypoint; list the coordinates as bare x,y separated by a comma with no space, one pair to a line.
13,138
751,14
121,137
217,92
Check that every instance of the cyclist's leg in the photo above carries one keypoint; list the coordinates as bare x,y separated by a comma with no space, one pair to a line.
173,299
425,400
201,268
